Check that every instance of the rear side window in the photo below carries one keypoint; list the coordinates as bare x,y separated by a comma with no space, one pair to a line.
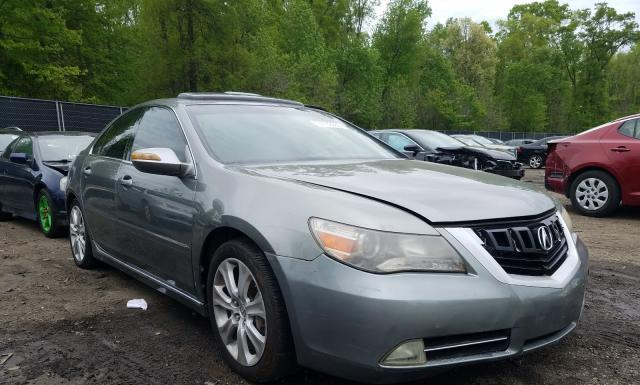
159,128
116,140
630,129
8,150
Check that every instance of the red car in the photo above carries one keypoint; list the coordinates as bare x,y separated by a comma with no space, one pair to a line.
599,168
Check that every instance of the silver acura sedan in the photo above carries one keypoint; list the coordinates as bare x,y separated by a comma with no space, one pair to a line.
307,241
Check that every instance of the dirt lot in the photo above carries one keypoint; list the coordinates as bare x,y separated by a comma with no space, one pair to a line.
69,326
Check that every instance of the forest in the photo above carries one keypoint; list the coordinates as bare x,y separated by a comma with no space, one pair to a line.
543,67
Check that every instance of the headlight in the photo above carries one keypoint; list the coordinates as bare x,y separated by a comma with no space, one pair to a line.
63,184
566,218
383,252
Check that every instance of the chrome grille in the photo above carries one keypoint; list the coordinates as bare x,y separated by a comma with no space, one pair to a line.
530,248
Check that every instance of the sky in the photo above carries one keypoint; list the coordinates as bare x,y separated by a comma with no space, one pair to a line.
493,10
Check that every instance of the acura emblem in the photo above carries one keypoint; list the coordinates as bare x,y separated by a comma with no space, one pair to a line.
545,238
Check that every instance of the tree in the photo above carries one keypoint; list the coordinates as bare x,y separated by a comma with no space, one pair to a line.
399,38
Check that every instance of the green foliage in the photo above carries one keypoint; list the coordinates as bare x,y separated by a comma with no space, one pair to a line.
547,67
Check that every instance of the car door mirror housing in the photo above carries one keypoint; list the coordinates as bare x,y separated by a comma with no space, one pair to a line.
19,157
412,148
160,161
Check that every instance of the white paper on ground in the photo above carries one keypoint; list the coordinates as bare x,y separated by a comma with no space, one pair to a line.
137,303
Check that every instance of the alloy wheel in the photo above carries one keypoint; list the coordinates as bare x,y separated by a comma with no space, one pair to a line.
239,312
592,194
535,161
44,213
77,233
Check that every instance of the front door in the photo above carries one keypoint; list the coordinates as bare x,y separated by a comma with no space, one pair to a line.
100,171
157,210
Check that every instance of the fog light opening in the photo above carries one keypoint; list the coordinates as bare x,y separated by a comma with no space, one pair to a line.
408,353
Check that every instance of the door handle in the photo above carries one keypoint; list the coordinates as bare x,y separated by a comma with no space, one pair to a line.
126,181
87,170
620,149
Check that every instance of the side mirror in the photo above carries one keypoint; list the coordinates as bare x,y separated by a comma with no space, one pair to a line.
414,148
160,161
19,157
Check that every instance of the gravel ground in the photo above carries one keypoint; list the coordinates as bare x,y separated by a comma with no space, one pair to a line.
64,325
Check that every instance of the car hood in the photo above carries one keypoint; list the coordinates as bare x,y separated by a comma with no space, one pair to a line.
61,167
488,152
438,193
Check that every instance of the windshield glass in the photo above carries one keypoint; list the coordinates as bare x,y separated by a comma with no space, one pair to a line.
5,139
434,139
468,141
482,140
62,148
264,134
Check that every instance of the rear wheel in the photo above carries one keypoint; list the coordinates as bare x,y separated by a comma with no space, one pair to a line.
49,224
535,161
247,313
595,193
79,238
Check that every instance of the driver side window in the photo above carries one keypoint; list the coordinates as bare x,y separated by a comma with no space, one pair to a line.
159,128
398,141
24,145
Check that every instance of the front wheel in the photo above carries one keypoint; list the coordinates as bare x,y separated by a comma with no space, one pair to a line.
535,161
595,194
49,224
79,238
247,313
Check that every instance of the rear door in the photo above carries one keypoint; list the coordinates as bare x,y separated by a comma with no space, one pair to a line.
20,180
100,172
622,146
158,210
4,163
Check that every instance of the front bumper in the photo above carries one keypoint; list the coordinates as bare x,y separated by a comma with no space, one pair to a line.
344,320
514,173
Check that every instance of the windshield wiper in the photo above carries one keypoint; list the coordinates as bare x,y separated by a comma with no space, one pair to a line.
58,161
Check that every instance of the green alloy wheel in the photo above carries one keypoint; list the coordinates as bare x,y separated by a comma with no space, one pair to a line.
46,217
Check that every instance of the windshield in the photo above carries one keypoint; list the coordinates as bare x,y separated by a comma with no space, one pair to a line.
5,139
482,140
468,141
434,139
264,134
62,148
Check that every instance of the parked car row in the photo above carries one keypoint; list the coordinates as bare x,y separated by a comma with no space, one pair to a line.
433,146
290,229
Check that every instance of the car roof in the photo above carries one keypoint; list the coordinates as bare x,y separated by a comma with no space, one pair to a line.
627,117
229,97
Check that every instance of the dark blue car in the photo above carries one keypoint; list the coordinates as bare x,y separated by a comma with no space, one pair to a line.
31,167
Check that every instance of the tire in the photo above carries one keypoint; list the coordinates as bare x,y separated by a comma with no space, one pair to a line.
79,238
45,215
227,311
595,194
536,161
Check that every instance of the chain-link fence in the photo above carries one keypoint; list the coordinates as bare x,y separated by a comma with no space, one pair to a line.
52,115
